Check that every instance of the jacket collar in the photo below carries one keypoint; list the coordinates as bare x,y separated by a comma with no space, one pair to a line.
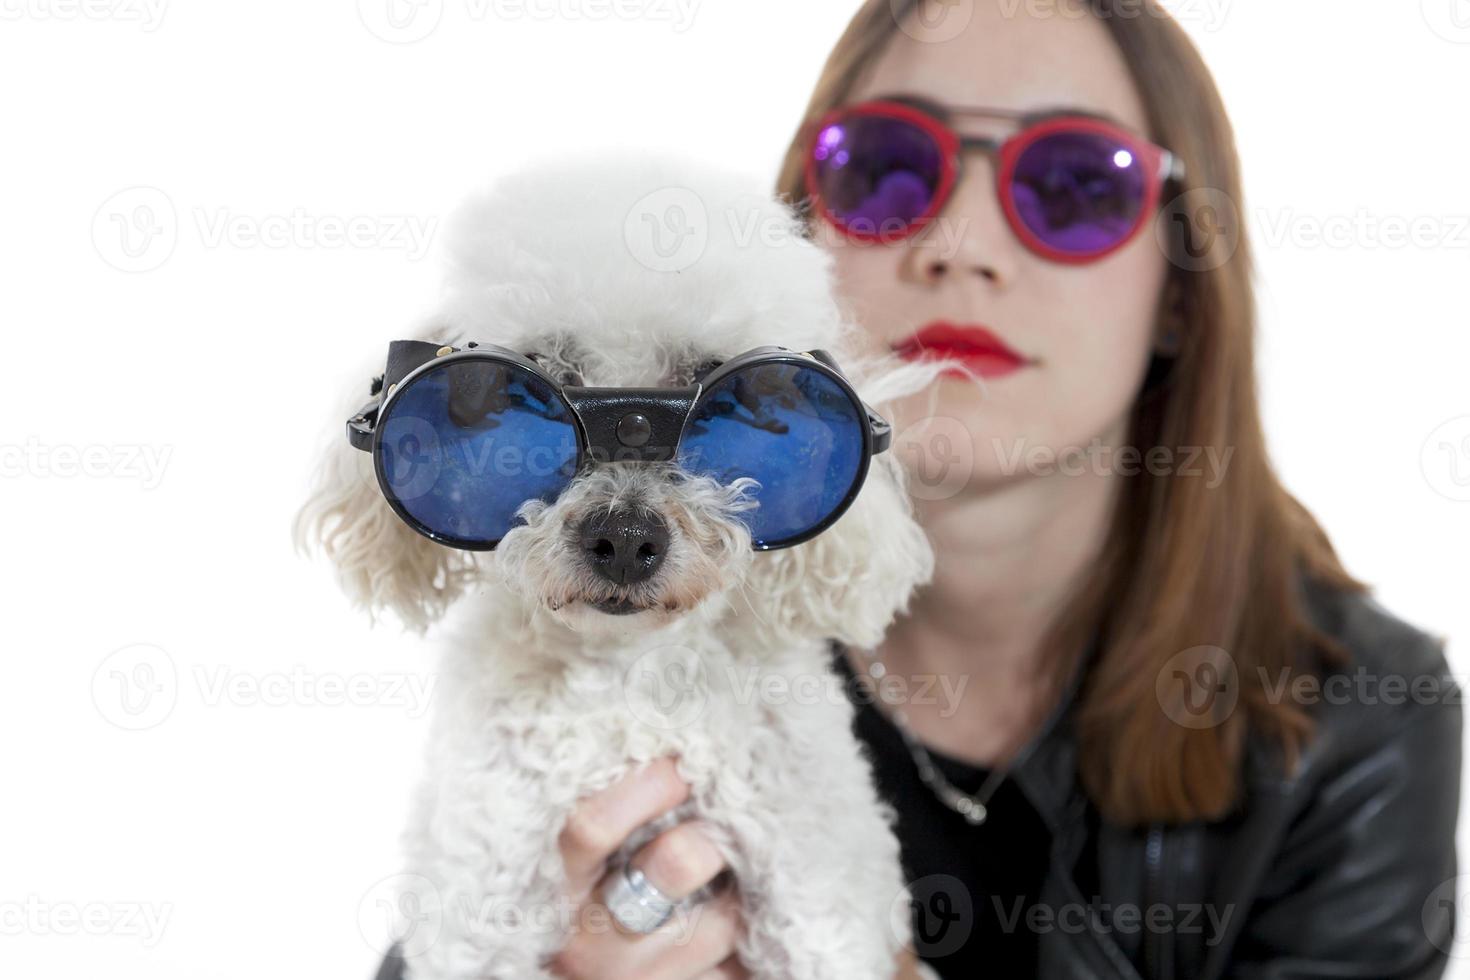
1046,767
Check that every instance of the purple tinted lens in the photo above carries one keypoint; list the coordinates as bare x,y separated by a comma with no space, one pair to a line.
876,174
1079,192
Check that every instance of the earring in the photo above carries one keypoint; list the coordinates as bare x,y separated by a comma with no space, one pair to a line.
1170,340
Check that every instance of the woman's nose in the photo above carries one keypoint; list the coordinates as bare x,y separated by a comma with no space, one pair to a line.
969,239
935,269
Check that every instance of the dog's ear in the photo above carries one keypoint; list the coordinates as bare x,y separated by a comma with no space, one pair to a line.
381,563
850,581
854,578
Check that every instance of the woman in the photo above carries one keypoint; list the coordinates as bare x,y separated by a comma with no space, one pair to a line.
1130,775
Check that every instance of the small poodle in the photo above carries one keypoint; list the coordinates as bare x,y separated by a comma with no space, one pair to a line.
640,607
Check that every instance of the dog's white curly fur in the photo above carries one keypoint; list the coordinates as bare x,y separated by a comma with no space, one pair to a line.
541,698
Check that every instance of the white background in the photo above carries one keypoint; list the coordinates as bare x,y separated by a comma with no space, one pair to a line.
254,812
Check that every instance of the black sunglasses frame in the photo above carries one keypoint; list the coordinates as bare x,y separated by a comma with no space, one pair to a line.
612,424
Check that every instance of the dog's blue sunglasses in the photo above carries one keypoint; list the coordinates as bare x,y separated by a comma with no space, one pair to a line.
462,437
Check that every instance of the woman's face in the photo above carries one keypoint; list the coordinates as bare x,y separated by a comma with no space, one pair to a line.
1085,331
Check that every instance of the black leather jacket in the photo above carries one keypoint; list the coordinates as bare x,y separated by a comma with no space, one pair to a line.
1345,870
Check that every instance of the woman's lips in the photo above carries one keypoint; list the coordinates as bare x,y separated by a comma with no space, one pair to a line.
980,350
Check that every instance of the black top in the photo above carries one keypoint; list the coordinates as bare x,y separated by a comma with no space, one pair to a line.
971,886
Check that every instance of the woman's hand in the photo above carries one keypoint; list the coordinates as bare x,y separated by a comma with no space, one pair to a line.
696,943
909,969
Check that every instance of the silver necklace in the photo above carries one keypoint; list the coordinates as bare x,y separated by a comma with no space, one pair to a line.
971,806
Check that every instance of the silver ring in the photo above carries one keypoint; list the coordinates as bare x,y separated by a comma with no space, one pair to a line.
636,902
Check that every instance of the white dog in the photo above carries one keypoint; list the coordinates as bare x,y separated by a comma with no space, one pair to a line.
626,272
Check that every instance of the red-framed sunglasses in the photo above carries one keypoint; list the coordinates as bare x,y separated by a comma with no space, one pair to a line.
1074,187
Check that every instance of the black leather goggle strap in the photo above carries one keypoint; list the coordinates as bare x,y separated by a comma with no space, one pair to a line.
404,357
601,410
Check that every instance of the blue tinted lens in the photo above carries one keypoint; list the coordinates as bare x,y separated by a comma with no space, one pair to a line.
794,429
466,443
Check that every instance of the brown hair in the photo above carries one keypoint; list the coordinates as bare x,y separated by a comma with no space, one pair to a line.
1185,565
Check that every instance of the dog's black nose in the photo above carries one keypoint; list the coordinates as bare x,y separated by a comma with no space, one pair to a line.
626,545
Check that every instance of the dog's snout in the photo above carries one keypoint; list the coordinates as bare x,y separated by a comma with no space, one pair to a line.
625,545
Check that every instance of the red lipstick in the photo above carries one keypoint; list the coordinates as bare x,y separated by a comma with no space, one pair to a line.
976,347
